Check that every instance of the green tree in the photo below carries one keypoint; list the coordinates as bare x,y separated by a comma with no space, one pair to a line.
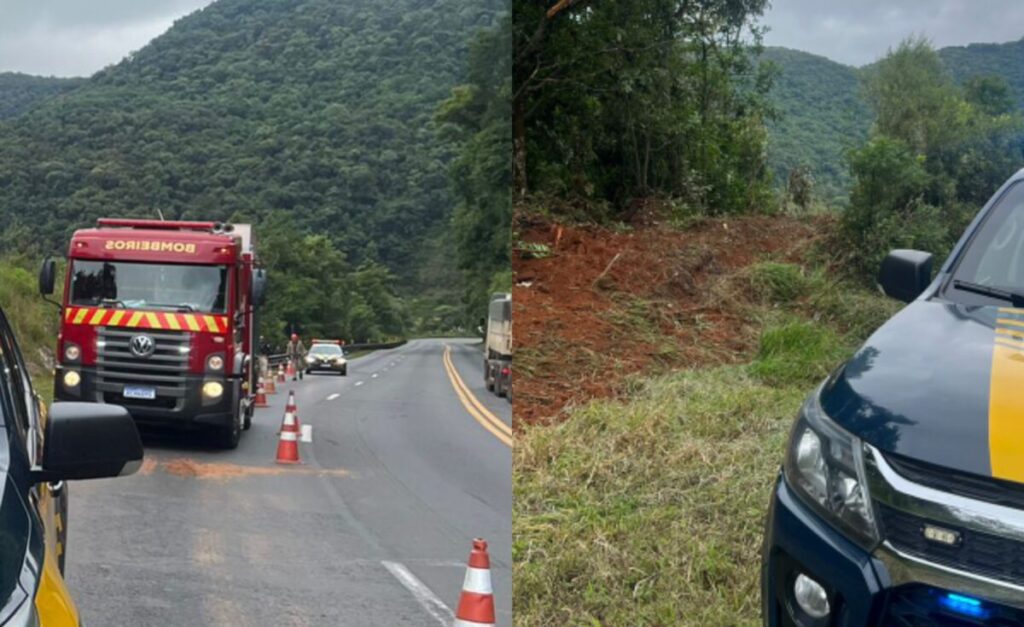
618,100
936,153
476,116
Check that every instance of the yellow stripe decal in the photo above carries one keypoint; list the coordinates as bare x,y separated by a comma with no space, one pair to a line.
148,319
1008,344
1011,332
1006,406
172,321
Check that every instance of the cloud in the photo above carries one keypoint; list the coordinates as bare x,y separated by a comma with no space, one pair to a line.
76,38
857,33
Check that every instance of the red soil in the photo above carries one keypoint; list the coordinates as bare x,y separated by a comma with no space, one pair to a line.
606,305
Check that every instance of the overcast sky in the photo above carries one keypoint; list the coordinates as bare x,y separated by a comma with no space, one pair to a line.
79,37
857,32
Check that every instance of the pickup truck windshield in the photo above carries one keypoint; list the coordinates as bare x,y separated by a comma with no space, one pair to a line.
133,285
994,257
325,349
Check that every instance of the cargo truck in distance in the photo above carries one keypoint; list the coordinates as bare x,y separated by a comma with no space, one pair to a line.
498,346
160,317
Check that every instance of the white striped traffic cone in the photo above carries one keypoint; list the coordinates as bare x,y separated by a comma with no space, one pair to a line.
290,406
476,604
261,397
288,442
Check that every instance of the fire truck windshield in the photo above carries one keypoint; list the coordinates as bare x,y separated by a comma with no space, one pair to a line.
134,285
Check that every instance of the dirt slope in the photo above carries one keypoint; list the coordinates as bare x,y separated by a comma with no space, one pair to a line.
596,305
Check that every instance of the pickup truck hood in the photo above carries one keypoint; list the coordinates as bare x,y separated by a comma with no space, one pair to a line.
940,383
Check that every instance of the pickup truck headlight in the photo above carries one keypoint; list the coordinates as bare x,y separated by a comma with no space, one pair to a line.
825,466
310,359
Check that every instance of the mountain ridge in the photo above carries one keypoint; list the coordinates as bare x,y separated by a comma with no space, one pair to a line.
822,114
318,109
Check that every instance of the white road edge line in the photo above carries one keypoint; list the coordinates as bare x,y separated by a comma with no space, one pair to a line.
359,382
373,376
434,606
333,396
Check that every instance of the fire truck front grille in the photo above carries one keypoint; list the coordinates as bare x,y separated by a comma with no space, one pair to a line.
165,369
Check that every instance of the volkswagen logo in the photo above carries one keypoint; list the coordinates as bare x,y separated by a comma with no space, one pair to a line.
141,345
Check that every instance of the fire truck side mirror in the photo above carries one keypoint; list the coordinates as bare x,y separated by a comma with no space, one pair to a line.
47,276
259,287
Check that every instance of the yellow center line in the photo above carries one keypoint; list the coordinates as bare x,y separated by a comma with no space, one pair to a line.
498,422
479,413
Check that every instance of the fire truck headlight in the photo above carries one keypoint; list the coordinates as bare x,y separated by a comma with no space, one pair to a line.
213,389
72,352
72,378
215,362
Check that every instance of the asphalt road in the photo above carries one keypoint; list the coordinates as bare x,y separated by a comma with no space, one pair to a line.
374,527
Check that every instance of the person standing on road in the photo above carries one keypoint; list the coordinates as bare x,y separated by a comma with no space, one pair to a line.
264,360
297,355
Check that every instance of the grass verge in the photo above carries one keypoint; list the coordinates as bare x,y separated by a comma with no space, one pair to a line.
649,510
34,320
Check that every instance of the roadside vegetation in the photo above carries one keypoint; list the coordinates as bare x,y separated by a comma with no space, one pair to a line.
34,320
648,508
669,324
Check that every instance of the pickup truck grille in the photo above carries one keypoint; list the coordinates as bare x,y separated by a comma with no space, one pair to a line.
988,489
165,369
980,553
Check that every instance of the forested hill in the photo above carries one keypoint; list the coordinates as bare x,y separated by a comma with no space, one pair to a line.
822,111
18,92
1005,60
318,109
820,115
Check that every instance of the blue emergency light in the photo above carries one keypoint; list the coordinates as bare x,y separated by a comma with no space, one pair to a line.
963,605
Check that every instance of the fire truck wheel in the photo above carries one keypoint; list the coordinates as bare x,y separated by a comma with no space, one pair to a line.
229,436
247,411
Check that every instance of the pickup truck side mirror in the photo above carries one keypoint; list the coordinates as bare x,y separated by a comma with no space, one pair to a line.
47,276
89,441
905,274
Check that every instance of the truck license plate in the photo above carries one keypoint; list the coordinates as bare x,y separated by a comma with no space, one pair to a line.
144,392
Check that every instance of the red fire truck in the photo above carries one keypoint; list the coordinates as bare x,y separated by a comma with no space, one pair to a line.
159,317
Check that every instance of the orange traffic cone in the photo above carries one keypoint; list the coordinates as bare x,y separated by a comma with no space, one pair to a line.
476,604
288,446
280,374
261,396
290,371
290,406
269,386
290,422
